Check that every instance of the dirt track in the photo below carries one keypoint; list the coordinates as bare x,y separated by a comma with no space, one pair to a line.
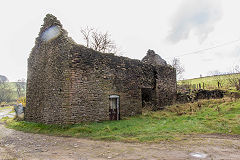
19,145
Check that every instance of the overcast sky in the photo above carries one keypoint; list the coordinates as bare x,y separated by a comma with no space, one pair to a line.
172,28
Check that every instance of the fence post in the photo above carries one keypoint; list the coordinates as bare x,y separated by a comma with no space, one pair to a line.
194,86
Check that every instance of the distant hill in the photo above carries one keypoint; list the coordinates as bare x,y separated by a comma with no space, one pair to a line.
3,78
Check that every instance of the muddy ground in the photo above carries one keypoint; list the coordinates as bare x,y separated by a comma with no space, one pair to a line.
19,145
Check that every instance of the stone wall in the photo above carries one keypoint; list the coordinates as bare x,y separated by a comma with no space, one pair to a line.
47,87
69,83
95,76
165,86
195,95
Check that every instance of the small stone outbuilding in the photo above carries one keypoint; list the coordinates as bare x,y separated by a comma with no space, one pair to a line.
68,83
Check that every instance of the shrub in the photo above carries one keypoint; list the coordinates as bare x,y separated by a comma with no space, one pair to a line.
22,100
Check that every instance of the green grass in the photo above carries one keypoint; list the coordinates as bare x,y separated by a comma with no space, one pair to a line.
211,82
6,107
213,117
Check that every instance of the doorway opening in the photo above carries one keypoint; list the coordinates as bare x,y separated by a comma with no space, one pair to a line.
148,97
114,109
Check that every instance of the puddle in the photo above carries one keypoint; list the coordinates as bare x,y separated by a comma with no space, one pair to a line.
198,155
6,113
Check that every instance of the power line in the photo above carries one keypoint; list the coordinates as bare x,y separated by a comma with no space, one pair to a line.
201,50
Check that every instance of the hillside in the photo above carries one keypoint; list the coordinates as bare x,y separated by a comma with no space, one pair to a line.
213,82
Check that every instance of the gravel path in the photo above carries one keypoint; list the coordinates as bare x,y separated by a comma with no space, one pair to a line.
19,145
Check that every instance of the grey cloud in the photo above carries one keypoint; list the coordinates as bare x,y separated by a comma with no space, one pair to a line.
198,16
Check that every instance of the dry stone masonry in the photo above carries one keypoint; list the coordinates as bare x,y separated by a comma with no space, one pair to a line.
68,83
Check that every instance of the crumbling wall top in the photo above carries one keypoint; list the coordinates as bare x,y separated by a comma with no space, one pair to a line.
153,59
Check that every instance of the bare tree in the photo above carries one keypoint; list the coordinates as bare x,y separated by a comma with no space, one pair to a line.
217,76
236,69
86,32
233,78
99,41
175,63
21,87
5,90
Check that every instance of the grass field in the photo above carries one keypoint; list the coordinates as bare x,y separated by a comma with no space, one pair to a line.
220,116
211,82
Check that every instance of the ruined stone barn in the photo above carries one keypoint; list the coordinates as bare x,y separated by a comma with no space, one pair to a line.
68,83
